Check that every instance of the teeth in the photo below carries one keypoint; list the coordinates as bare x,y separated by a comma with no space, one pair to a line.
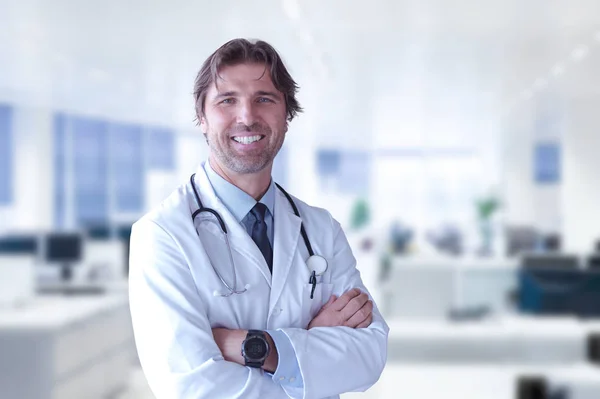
247,139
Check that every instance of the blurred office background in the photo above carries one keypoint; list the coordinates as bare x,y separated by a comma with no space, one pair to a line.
455,140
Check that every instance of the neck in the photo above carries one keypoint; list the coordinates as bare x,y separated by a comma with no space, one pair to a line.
253,184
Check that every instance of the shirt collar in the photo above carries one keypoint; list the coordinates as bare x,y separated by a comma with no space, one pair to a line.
238,202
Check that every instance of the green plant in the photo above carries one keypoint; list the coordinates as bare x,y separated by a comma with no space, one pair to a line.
486,207
360,215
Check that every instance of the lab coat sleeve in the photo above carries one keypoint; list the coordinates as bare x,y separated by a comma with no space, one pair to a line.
288,371
177,351
335,360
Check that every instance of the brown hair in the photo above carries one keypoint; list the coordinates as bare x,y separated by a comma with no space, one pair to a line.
239,51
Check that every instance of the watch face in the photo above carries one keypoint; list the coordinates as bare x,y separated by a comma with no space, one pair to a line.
255,348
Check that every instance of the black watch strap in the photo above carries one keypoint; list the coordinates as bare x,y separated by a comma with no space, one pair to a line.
256,365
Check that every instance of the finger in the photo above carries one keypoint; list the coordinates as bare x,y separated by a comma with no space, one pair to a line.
342,301
360,316
353,306
329,302
367,322
327,305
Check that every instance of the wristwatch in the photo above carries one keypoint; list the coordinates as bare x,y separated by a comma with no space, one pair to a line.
255,348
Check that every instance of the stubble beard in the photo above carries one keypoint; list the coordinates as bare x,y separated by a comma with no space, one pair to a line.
248,163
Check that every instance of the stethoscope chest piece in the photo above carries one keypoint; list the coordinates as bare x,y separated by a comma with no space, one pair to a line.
316,264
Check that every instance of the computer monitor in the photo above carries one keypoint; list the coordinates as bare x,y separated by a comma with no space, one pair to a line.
124,234
98,232
552,242
521,239
559,291
594,262
64,249
19,245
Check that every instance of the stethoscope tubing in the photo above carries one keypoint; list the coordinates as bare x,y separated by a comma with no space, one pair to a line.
223,226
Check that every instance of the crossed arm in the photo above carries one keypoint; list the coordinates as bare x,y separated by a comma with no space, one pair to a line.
353,309
183,357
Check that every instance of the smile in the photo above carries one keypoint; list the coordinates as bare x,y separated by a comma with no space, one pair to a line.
247,139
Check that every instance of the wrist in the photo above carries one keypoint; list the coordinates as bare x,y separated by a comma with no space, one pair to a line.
272,359
233,344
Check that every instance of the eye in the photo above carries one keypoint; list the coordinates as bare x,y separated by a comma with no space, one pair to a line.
264,100
227,101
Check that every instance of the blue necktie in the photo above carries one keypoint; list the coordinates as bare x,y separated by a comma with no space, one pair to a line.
259,233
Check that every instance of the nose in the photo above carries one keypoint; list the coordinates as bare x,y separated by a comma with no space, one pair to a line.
246,113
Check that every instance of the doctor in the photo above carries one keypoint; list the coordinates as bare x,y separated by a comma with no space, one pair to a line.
238,290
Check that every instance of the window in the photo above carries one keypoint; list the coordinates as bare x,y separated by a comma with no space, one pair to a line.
6,155
547,163
160,148
101,168
90,170
346,172
60,170
127,167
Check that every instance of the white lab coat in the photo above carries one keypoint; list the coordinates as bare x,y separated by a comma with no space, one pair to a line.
173,307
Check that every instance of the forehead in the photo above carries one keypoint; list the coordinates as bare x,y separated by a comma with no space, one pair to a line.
243,77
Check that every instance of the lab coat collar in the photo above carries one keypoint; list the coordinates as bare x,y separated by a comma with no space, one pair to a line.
239,239
287,233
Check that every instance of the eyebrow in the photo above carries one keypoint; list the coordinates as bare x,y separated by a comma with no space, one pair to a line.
268,93
258,93
226,94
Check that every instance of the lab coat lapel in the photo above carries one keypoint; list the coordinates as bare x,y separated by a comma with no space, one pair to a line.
239,239
286,235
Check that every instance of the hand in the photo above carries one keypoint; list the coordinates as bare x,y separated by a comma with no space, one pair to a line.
230,343
353,309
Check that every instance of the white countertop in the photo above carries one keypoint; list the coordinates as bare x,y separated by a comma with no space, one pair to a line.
52,312
475,381
464,263
503,326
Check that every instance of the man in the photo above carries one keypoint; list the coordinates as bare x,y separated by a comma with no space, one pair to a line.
302,326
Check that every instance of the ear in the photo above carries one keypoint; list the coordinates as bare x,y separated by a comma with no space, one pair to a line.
203,125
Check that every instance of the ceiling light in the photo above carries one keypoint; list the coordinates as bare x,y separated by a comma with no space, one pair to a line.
557,70
580,52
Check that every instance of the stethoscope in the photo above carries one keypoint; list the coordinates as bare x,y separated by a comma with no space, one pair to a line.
317,265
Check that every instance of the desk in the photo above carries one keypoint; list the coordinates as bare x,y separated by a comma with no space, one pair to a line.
66,347
428,288
507,339
477,381
17,275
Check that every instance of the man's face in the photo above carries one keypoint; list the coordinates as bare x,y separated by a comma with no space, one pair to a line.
244,119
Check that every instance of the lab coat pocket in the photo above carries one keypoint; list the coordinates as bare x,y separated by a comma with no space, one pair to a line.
310,307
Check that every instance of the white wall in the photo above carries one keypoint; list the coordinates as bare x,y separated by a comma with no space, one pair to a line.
529,203
190,151
581,188
33,205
